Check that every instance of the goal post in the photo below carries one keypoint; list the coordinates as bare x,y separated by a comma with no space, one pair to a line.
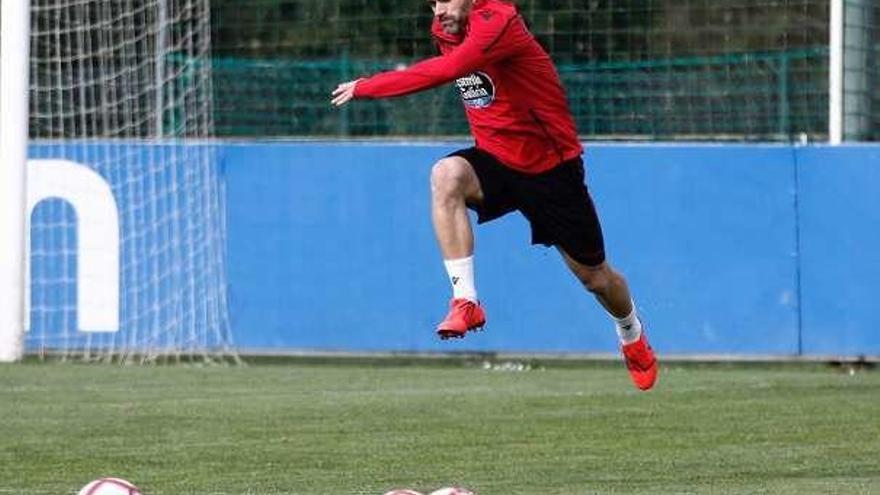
115,250
14,50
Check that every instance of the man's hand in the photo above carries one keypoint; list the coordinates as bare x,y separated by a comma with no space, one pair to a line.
343,93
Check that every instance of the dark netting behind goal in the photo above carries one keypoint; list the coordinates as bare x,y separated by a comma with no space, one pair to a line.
640,69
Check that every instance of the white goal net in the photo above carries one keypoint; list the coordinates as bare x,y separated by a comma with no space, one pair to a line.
122,89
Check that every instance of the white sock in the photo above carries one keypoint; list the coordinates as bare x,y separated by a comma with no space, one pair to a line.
461,276
629,328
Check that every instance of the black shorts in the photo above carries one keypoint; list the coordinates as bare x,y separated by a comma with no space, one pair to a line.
556,203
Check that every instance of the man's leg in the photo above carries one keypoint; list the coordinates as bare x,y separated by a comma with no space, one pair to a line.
606,284
611,290
454,185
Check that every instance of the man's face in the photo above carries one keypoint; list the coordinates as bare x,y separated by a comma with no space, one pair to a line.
452,14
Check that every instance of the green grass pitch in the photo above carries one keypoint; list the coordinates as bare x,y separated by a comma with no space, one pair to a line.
302,428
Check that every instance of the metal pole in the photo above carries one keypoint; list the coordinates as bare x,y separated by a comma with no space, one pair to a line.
784,110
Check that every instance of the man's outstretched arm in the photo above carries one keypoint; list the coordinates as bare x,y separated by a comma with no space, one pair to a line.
491,40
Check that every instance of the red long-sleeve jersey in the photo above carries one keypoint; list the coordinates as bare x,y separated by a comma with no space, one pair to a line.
514,100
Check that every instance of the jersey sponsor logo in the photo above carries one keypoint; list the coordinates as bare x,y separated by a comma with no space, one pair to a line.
477,90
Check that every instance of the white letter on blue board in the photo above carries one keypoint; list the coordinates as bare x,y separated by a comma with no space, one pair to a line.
97,229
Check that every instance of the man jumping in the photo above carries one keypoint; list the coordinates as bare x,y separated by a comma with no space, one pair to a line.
526,157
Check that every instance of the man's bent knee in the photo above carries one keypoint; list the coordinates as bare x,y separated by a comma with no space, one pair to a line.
453,176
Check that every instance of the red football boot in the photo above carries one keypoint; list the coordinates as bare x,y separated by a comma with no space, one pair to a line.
464,316
641,362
